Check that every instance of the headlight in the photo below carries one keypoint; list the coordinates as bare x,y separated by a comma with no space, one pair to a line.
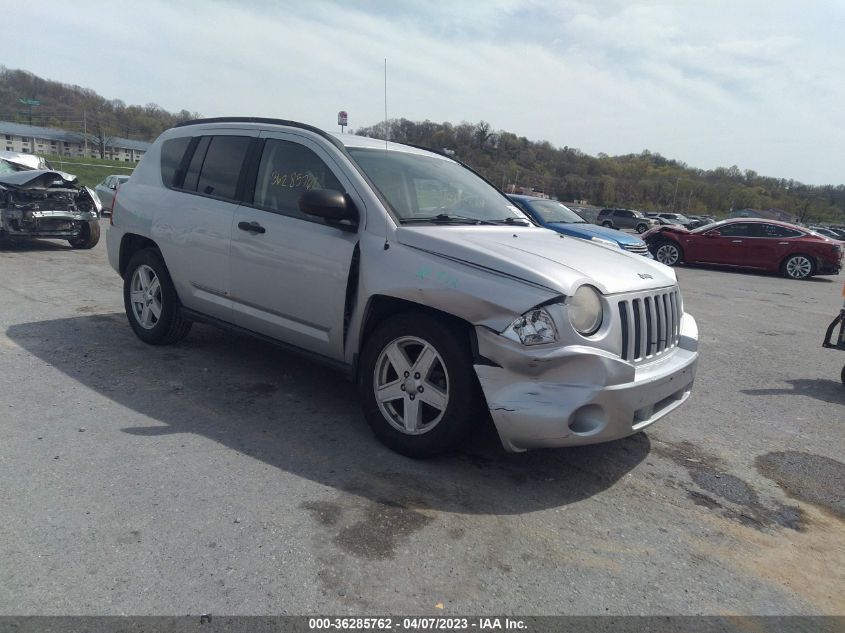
532,328
585,310
601,240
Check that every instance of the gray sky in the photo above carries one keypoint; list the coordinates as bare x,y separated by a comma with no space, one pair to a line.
756,83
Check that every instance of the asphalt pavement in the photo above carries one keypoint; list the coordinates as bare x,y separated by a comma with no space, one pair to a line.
225,476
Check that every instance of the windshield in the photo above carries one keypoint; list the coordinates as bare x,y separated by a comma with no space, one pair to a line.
552,211
425,188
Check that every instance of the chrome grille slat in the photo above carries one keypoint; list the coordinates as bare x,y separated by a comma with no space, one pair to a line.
650,324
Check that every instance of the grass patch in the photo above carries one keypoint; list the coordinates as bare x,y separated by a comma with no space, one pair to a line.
90,171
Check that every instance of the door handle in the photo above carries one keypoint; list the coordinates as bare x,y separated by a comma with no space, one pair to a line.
252,227
736,241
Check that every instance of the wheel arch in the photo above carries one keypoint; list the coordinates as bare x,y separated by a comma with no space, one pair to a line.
130,244
381,307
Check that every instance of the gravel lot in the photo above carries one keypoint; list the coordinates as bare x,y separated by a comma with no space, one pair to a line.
225,476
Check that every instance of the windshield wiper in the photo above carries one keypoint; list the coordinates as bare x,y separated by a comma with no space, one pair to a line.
444,218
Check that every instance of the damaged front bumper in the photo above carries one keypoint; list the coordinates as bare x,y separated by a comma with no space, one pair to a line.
49,224
573,395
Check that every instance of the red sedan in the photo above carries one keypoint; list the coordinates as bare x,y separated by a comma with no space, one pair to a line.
767,245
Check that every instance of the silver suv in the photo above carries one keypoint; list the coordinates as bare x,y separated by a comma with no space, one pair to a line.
409,272
625,219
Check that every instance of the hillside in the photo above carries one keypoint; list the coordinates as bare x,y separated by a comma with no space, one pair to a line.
646,180
72,107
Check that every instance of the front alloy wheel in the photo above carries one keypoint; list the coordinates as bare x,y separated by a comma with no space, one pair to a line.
411,385
668,253
417,384
798,267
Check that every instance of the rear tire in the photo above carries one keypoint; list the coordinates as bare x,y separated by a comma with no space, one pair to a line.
669,253
150,299
88,236
642,228
425,413
798,267
607,224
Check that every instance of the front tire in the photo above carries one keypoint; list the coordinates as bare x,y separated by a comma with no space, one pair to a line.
668,253
798,267
417,384
150,300
88,236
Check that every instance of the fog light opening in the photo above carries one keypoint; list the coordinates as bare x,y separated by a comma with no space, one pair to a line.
588,420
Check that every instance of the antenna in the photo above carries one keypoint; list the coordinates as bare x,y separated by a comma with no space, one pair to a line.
386,124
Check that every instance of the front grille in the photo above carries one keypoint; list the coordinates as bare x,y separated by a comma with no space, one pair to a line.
639,249
651,324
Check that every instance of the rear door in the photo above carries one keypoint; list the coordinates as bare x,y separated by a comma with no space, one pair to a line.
770,244
726,245
194,225
289,281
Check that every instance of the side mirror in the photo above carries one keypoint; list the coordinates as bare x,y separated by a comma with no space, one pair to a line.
333,206
112,186
714,233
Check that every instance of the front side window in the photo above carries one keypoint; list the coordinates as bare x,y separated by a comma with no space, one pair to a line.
286,171
422,188
737,229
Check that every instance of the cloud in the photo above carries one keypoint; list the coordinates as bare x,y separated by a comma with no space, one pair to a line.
755,84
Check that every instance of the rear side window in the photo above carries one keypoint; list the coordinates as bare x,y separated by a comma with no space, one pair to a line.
222,166
286,171
172,152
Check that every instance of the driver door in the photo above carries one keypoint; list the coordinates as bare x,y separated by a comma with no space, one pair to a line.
289,271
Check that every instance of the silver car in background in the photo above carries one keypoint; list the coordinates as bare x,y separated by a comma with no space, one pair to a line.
409,272
107,188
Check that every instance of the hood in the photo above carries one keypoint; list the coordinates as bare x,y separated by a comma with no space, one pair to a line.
35,179
588,231
540,256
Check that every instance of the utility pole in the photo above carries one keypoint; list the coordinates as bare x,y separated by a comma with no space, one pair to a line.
85,131
675,195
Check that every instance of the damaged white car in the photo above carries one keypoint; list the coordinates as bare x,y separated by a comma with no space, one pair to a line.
48,204
408,271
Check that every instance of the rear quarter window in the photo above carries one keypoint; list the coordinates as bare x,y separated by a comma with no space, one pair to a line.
172,152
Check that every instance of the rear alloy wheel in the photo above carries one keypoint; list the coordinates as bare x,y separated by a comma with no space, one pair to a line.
642,228
417,385
668,253
798,267
150,299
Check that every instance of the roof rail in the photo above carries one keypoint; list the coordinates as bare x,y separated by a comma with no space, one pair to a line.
265,121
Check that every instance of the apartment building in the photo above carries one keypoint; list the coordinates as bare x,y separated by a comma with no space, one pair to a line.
31,139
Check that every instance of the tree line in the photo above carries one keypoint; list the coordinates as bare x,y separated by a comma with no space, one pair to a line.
646,181
78,109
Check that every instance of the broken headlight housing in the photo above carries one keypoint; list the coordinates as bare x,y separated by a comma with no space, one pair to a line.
535,327
585,310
